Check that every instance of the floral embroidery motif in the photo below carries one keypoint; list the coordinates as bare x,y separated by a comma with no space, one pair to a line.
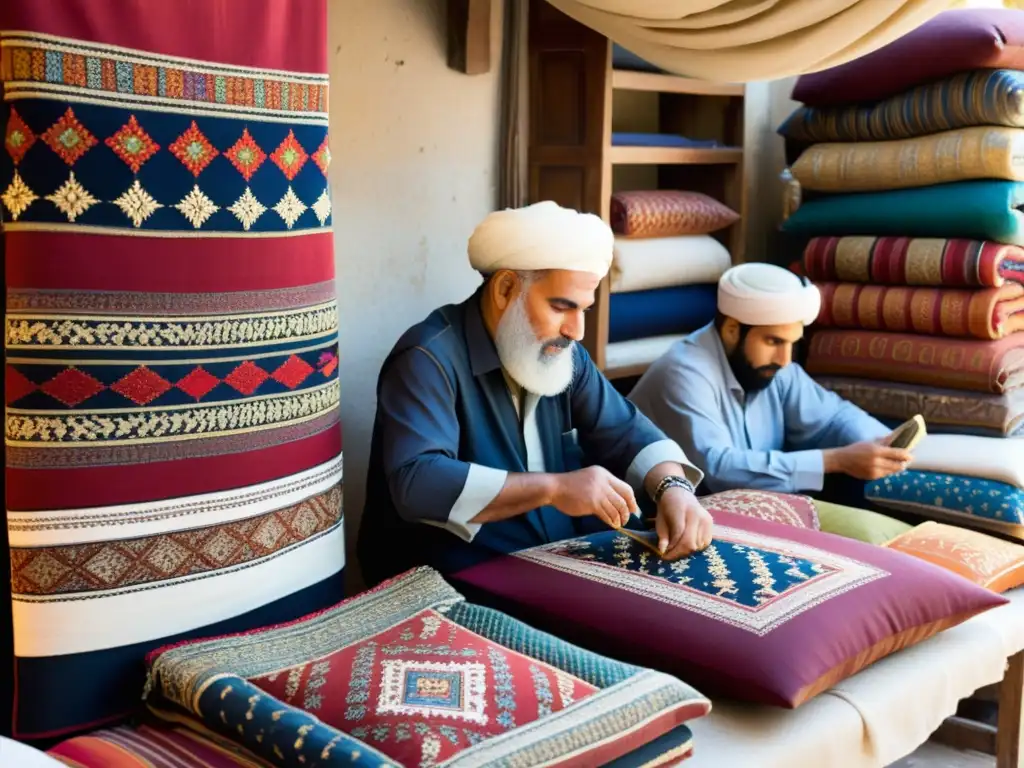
313,699
289,156
137,204
133,145
322,207
246,155
72,199
247,209
542,690
360,678
566,688
290,208
18,197
194,150
504,689
69,138
434,689
322,157
431,624
19,137
196,207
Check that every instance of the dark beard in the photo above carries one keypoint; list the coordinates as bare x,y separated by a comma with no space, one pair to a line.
751,379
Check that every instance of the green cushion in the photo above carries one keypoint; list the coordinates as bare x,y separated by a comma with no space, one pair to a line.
859,524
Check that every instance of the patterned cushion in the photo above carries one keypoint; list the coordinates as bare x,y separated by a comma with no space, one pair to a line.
419,674
983,38
173,462
987,561
666,212
982,152
860,524
768,613
787,508
981,97
959,499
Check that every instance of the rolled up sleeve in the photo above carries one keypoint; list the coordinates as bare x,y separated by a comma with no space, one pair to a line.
420,435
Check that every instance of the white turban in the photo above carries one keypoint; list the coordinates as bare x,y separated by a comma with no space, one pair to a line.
541,236
764,294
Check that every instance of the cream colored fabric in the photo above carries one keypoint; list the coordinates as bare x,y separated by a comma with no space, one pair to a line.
992,458
638,352
875,717
982,152
541,236
641,264
746,40
765,294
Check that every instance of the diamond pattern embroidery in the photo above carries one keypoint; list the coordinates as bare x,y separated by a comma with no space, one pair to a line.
247,209
246,378
72,199
246,155
198,383
194,150
72,387
132,144
18,197
69,138
137,204
322,157
289,156
290,208
292,372
19,137
322,207
141,386
196,207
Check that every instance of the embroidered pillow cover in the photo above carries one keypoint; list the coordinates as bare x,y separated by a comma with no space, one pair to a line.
668,212
420,675
768,613
787,508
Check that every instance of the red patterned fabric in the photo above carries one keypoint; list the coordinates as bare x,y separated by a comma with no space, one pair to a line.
786,508
953,263
668,213
429,671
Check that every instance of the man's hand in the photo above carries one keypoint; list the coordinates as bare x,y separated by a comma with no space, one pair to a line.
867,461
683,525
594,491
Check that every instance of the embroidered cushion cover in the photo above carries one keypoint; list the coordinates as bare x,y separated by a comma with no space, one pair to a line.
172,425
414,671
769,613
668,212
987,561
787,508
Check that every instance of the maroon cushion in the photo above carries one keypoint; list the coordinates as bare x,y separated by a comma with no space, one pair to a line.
953,41
769,613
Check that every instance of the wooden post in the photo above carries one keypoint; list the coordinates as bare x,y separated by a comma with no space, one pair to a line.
469,36
1009,753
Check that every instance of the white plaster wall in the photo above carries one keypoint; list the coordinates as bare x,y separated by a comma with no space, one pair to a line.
414,168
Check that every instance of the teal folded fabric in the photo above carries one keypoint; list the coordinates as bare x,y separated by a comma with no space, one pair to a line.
981,210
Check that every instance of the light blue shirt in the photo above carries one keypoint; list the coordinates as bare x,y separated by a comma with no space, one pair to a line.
769,440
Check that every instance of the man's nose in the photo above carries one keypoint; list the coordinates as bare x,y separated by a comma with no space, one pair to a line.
573,325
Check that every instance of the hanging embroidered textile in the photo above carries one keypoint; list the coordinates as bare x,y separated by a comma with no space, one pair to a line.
173,442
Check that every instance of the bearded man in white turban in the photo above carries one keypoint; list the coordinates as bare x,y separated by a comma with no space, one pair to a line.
495,431
747,415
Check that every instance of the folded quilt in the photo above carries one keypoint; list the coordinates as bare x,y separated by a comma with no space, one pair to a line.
990,458
952,263
641,264
668,212
982,210
941,408
988,313
983,152
676,310
410,673
979,97
965,364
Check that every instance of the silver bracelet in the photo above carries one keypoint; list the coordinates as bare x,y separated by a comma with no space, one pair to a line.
672,481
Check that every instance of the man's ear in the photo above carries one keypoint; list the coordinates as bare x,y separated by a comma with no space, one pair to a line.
504,285
730,332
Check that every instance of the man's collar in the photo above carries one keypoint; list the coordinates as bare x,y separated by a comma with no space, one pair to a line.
483,355
711,340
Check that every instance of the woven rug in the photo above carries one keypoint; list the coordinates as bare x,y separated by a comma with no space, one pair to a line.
173,441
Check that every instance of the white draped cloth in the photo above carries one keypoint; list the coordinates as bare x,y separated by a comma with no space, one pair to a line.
747,40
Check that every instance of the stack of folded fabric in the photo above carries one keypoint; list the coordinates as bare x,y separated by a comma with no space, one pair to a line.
666,267
912,180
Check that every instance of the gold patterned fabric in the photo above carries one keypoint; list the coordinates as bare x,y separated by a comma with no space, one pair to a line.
983,152
668,213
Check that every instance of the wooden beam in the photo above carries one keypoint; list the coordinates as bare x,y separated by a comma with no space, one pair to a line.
1009,752
469,36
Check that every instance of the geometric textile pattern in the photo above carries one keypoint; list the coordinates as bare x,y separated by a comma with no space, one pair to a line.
817,607
658,213
412,671
788,508
172,429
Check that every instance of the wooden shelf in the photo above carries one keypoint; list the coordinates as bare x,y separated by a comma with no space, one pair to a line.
626,371
625,80
675,156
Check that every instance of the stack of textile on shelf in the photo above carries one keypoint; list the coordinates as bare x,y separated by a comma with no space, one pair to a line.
666,267
910,173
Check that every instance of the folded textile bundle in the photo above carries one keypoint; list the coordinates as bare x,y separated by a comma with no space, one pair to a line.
954,263
981,152
668,213
990,313
679,309
642,264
